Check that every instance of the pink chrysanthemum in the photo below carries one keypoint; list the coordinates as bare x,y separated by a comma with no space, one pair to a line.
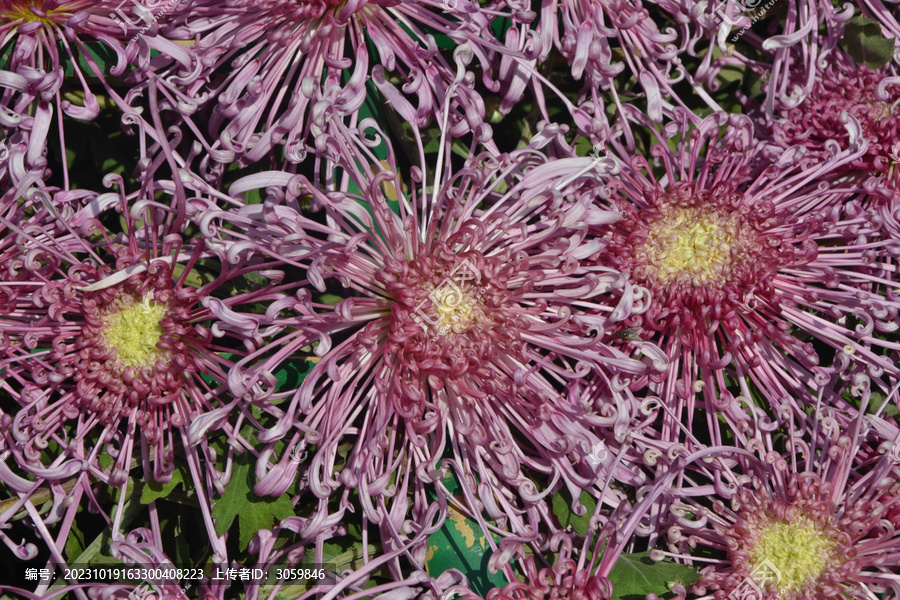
107,338
872,97
755,272
292,66
43,38
800,42
569,578
468,319
817,516
600,41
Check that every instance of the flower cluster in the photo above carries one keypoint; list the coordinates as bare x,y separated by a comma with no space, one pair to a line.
450,299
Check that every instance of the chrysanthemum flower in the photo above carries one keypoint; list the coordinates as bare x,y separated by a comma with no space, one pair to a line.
109,339
784,42
802,40
814,514
467,319
290,65
43,38
871,96
603,41
756,272
569,577
578,569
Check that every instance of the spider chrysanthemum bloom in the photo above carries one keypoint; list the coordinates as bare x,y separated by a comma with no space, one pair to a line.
108,339
291,65
747,264
568,578
42,39
871,96
468,316
601,40
787,547
816,519
132,347
801,40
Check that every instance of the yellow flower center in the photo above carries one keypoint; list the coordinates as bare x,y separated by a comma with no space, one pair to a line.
453,308
132,329
34,11
790,556
879,110
691,242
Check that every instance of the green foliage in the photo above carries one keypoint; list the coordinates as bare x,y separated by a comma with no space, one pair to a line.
461,544
74,542
240,503
567,517
102,55
153,490
343,553
636,575
864,41
878,403
339,555
292,373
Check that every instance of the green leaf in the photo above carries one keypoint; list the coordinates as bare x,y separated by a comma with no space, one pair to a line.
105,460
253,196
92,554
461,544
372,109
153,490
583,146
179,527
729,73
636,575
878,403
110,165
330,299
342,554
292,373
195,278
864,41
75,542
104,56
252,512
563,511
